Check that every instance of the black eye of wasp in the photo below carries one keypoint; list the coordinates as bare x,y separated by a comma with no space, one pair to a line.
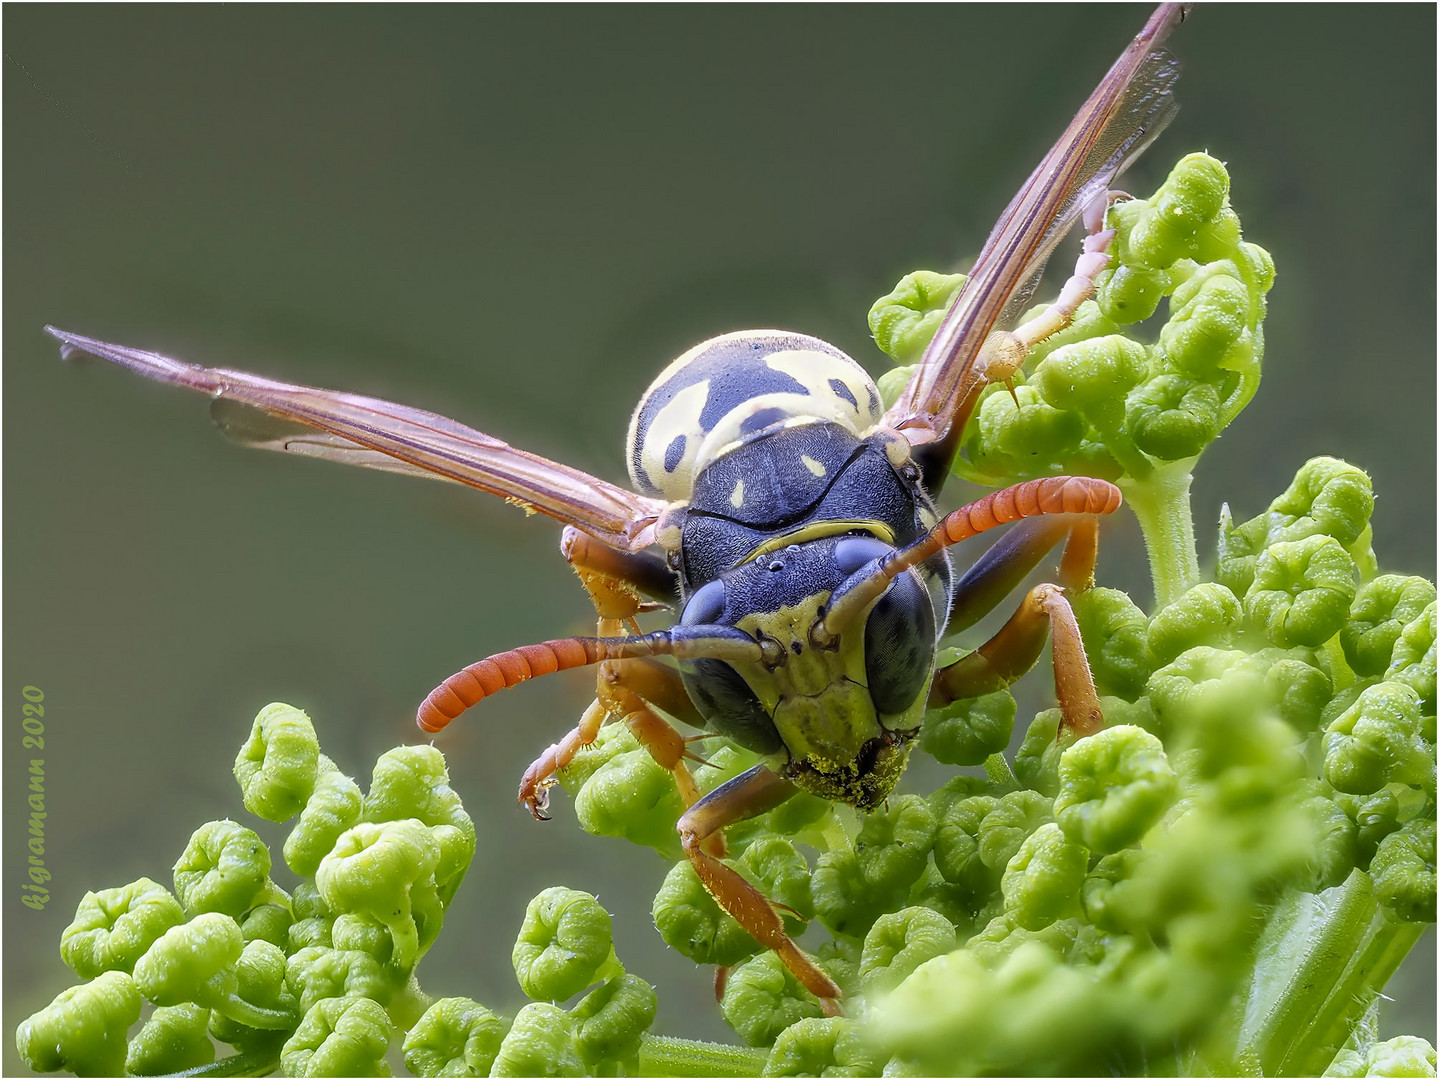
706,606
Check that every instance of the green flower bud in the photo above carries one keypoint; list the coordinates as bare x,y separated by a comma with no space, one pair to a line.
313,918
829,1046
260,982
387,871
1023,437
1092,377
1041,882
1166,227
852,888
1378,814
630,796
333,807
1107,894
455,1037
276,767
1407,1055
1172,417
956,845
1129,294
1115,636
83,1029
1403,871
413,782
199,962
1381,610
362,933
1328,497
1346,1063
1301,591
1009,824
540,1042
1208,326
1413,660
564,945
694,925
225,868
1376,741
609,1022
268,922
966,732
1205,615
315,973
113,928
898,943
1036,762
175,1038
1113,787
761,999
1334,851
1176,689
339,1037
905,320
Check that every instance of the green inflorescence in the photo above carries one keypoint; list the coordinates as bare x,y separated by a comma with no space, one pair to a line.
1218,881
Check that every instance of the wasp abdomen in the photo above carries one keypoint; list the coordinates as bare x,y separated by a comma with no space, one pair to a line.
737,387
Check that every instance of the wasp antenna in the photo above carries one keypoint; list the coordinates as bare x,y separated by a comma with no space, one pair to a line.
479,680
1033,498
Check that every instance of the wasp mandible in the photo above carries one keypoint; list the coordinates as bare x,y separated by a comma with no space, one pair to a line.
788,518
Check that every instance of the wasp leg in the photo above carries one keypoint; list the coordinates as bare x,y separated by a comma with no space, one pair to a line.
1045,611
618,581
749,795
1003,352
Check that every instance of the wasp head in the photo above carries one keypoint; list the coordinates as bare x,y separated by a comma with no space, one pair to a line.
837,715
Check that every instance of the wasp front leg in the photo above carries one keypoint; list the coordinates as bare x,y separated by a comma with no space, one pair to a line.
1044,612
748,795
618,584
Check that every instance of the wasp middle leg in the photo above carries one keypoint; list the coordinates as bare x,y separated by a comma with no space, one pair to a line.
618,584
1044,613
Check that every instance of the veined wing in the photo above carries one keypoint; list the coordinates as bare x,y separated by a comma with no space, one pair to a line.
1127,110
380,434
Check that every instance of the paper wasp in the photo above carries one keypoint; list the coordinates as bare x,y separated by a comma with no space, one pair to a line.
787,517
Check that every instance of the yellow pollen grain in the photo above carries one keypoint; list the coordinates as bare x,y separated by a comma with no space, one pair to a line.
812,465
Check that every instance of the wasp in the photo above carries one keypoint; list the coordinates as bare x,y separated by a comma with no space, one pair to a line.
787,517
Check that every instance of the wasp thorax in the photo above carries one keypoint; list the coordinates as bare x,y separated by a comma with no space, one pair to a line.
838,718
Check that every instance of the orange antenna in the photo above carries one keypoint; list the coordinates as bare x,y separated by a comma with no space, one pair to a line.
1033,498
473,684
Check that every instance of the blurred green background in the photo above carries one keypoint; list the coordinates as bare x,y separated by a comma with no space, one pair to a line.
517,216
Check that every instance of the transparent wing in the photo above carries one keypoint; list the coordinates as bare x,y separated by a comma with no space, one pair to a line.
379,434
1127,110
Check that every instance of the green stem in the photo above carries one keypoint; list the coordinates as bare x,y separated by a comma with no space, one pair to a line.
1317,968
1161,503
253,1064
661,1055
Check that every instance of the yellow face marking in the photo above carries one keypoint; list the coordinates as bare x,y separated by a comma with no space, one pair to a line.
812,465
737,499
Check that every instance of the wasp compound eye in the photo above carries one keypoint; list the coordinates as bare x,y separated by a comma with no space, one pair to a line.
706,606
899,645
853,552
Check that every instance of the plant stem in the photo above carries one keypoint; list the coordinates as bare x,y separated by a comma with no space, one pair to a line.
251,1064
1161,503
661,1055
1317,969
